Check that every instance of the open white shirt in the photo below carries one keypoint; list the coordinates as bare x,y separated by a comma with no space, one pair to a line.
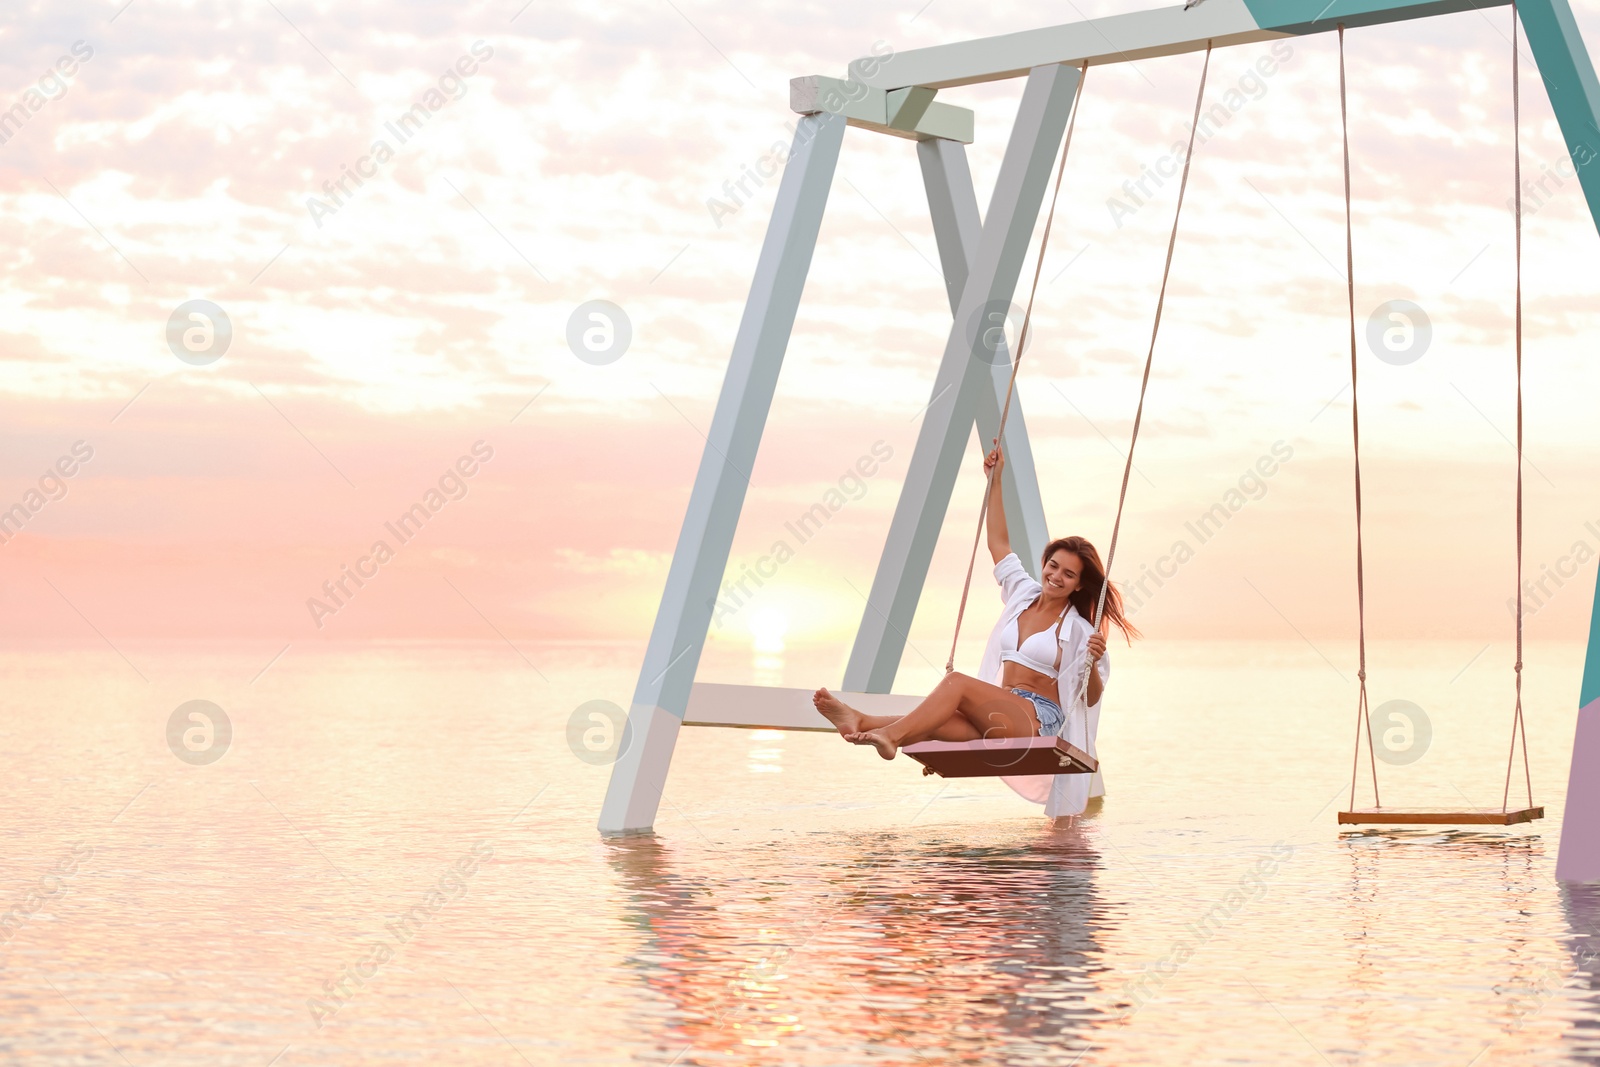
1062,794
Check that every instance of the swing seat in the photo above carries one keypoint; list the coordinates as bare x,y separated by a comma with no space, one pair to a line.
993,757
1433,817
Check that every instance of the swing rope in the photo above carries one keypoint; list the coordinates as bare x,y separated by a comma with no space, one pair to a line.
1517,728
1144,383
1016,364
1363,714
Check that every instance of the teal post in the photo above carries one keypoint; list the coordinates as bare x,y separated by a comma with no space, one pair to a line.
1574,91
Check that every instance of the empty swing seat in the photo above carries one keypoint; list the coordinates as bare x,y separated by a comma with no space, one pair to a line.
1432,817
992,757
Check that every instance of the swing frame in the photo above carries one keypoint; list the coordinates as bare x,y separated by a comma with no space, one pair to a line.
981,259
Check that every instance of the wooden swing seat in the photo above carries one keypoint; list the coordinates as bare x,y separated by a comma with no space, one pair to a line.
1434,817
992,757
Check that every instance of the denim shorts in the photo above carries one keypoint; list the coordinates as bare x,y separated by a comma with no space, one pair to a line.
1048,711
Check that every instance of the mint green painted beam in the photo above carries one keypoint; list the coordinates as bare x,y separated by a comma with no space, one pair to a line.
1589,688
1569,79
1301,17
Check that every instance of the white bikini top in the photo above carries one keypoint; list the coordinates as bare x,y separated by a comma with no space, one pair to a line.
1036,652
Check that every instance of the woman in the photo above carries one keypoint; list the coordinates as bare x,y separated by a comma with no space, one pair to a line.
1036,654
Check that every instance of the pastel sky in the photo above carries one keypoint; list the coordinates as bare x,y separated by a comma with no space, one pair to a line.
379,338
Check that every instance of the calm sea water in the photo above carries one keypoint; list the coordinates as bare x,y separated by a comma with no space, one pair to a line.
395,861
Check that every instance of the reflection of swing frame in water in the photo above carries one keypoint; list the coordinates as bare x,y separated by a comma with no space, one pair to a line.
975,938
982,261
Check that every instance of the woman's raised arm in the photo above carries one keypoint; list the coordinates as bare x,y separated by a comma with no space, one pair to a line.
999,537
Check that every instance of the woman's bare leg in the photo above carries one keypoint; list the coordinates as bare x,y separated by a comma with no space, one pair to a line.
850,721
988,710
847,719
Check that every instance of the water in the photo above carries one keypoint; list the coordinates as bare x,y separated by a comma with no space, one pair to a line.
395,861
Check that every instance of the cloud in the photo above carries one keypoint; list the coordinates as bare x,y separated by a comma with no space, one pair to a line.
434,303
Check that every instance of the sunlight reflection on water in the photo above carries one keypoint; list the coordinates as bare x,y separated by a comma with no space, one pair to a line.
802,901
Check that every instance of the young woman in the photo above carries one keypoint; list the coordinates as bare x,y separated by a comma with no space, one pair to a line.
1036,655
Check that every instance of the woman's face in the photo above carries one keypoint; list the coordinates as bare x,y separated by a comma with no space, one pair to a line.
1062,573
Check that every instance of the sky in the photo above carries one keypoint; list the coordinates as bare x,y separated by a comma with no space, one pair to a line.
386,335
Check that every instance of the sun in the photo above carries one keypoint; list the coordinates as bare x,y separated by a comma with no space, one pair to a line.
767,627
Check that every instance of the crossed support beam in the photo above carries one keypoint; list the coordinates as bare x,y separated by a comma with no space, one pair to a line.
981,263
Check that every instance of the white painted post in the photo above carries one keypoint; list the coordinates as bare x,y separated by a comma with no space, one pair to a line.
965,372
701,555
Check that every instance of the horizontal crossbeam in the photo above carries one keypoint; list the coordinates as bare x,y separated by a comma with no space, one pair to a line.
1138,35
762,707
911,113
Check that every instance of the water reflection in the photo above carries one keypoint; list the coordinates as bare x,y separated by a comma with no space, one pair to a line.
968,952
766,752
1396,934
1580,904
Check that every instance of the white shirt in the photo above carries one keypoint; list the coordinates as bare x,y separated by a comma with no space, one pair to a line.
1062,794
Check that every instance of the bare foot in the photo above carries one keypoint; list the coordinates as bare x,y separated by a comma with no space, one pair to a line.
842,715
886,748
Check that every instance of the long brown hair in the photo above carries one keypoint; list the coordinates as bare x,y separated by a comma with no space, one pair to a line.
1087,595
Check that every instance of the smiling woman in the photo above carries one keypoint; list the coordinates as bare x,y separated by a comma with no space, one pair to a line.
1044,635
